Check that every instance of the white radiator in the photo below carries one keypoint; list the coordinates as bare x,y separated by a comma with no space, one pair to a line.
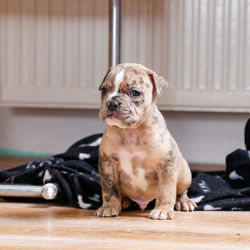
55,52
201,46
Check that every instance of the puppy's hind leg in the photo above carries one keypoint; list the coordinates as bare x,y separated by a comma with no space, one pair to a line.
183,203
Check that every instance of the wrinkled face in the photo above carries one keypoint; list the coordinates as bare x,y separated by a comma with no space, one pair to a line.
127,94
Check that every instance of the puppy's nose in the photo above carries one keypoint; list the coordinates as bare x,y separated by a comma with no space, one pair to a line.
113,105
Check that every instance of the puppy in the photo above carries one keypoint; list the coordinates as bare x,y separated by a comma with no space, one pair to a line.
139,159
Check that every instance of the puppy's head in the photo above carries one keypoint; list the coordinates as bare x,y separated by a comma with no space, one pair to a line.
128,92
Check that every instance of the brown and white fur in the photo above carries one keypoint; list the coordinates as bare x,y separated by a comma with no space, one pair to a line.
139,159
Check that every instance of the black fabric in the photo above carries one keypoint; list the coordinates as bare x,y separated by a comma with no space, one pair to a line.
229,190
247,135
218,192
76,173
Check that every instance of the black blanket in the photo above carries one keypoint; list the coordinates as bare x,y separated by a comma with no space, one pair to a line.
76,173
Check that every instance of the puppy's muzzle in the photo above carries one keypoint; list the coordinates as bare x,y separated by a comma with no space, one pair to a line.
113,104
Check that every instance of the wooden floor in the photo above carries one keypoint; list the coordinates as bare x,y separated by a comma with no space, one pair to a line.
46,226
7,162
43,226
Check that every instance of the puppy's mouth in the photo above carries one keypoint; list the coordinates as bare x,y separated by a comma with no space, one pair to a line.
112,114
118,118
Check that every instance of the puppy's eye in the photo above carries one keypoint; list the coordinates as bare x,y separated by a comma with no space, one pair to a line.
135,93
104,90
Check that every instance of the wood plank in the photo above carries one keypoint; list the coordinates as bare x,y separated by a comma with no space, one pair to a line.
7,162
43,226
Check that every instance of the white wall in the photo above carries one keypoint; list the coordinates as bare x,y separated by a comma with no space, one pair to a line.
202,137
207,137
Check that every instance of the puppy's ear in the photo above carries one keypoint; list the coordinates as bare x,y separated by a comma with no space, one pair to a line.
159,83
103,81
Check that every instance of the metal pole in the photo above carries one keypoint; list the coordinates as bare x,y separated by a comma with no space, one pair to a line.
114,31
48,191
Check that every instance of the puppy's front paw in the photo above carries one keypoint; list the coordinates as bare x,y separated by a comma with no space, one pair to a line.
158,214
107,211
